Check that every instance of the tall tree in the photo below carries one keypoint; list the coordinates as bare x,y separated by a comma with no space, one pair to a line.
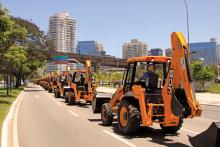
6,26
14,59
202,73
10,34
36,43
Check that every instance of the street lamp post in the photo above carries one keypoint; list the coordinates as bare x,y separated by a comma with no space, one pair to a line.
187,20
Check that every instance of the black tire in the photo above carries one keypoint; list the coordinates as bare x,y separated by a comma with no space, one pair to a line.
72,99
50,90
172,129
132,115
95,108
66,97
107,114
57,93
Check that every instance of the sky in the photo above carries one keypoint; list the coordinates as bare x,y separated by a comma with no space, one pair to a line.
114,22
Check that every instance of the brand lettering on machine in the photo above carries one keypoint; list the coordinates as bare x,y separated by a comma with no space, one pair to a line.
170,84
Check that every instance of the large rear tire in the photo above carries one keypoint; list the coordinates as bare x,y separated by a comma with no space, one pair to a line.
50,90
72,99
172,129
128,118
56,93
66,97
106,114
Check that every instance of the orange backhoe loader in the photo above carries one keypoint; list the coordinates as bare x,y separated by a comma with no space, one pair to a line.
61,84
156,89
43,82
52,82
37,81
81,86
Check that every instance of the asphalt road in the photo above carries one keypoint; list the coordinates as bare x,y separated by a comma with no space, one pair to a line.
44,121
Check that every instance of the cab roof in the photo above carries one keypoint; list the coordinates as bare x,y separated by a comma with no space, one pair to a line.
149,59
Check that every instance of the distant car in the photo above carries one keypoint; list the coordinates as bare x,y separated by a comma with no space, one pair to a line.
217,80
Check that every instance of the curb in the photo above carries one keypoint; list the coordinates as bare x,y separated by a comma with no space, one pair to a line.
9,119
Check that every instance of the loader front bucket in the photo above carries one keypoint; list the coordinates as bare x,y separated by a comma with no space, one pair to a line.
98,101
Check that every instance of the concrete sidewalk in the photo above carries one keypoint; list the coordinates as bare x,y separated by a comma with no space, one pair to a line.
208,99
203,98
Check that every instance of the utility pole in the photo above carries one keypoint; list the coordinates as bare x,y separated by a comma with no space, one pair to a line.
187,20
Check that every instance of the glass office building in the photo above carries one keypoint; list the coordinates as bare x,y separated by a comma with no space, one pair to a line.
90,48
205,51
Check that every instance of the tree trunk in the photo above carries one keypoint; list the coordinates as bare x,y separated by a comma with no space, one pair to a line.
4,81
24,80
18,81
10,82
7,83
203,86
13,82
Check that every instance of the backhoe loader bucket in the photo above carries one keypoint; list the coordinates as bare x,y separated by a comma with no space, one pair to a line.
208,138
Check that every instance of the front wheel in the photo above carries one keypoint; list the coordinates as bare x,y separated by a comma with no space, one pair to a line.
172,129
106,114
128,118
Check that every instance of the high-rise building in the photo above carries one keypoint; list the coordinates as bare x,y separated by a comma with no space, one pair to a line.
134,49
62,31
90,48
206,51
155,52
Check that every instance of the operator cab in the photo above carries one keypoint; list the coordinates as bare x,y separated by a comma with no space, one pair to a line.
64,80
150,73
79,80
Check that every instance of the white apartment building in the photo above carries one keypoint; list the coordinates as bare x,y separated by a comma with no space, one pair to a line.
62,31
134,49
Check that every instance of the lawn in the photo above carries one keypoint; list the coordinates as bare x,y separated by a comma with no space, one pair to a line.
215,88
5,103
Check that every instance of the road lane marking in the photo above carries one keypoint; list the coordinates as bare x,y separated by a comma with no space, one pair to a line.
119,138
189,131
73,113
9,117
58,103
214,120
